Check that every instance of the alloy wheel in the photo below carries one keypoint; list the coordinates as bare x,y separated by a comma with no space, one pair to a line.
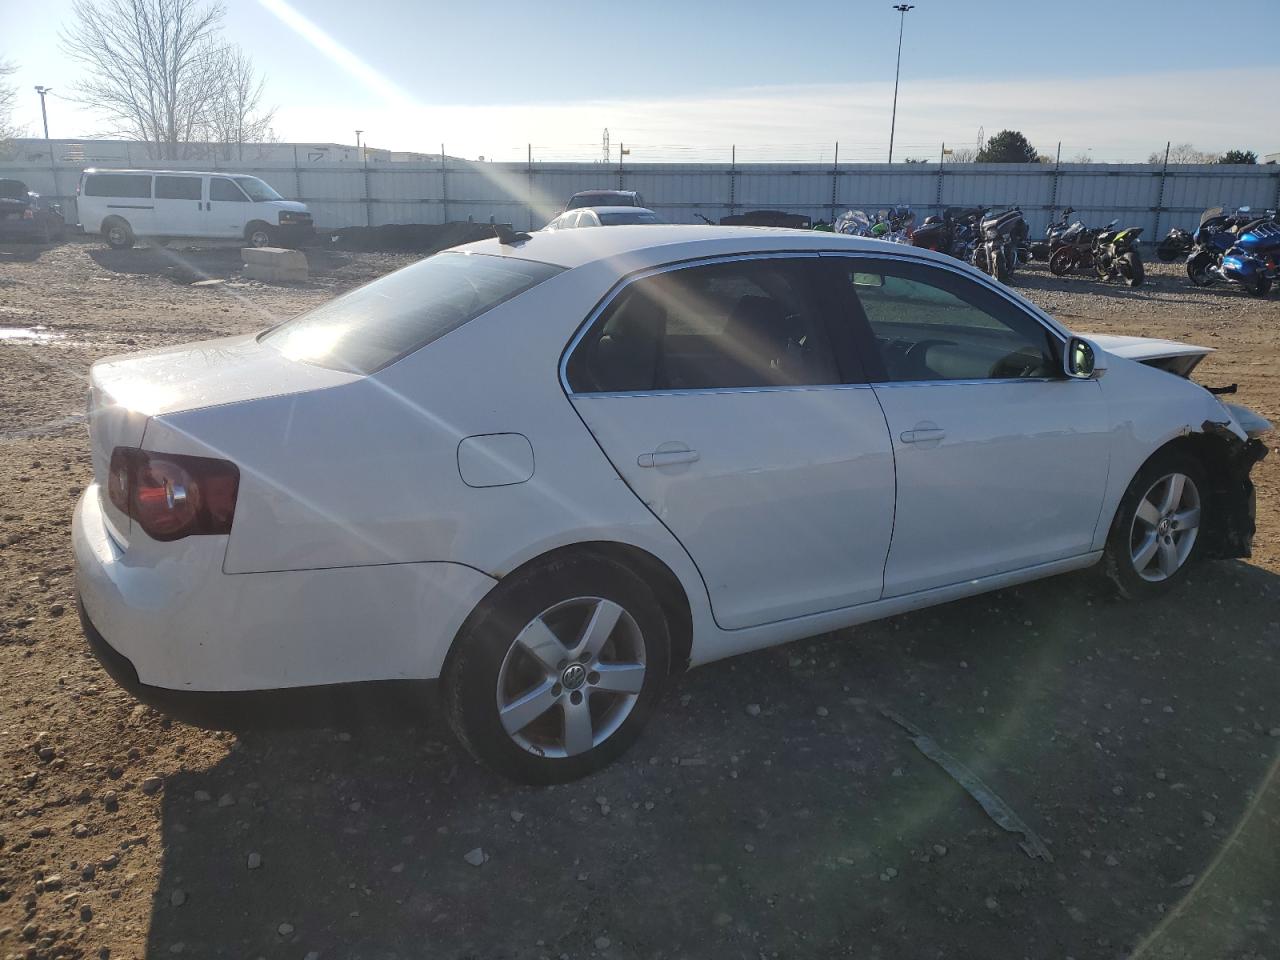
1165,526
571,677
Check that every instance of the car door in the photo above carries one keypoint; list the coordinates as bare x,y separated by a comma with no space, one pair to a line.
715,393
228,208
1001,459
179,202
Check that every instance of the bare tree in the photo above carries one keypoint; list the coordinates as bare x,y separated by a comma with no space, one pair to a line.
962,155
235,117
1183,153
153,67
1081,157
8,97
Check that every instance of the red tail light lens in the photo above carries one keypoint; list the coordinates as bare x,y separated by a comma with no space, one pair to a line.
171,495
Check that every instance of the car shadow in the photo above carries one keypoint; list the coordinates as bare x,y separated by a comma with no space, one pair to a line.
1133,738
185,264
23,252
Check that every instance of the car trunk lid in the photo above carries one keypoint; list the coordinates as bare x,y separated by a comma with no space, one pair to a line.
125,392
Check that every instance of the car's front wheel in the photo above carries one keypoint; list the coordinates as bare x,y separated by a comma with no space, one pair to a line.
558,672
1157,527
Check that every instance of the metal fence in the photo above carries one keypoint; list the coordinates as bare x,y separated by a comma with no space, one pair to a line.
528,194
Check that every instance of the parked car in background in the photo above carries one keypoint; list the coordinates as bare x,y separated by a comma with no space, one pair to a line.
25,215
123,205
605,198
602,217
549,472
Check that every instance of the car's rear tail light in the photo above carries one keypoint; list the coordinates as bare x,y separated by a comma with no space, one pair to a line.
172,495
28,214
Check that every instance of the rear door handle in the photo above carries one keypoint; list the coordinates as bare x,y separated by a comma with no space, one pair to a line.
921,436
665,458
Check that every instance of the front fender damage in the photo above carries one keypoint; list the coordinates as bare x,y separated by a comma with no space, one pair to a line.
1229,464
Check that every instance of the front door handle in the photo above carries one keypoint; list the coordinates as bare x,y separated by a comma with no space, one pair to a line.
665,458
922,435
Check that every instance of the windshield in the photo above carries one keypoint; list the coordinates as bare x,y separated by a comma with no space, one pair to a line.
257,190
616,219
383,321
601,199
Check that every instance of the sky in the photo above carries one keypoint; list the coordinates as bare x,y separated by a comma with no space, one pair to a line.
1113,79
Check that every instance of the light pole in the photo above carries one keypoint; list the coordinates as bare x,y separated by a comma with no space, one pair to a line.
902,9
358,132
44,115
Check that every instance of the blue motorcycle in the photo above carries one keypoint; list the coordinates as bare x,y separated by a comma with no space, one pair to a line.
1238,248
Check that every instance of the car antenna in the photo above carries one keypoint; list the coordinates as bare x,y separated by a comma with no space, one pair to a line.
507,234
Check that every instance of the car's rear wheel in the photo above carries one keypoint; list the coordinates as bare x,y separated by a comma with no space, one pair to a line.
1157,527
558,672
118,234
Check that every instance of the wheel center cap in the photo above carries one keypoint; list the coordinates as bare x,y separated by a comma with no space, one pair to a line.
574,676
1164,525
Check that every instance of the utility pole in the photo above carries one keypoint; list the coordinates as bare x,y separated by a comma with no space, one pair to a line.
902,9
44,115
358,156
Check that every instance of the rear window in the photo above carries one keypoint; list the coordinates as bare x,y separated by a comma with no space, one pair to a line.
134,185
13,189
602,199
368,328
618,219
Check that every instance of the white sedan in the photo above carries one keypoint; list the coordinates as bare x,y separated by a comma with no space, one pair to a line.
552,472
602,217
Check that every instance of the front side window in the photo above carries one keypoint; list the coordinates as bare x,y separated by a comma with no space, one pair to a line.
220,188
741,324
929,324
376,324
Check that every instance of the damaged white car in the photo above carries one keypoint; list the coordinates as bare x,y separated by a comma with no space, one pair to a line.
548,471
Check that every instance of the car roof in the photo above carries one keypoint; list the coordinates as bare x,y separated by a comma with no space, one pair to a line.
176,173
636,246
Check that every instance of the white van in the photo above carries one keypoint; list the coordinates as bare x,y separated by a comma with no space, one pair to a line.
123,205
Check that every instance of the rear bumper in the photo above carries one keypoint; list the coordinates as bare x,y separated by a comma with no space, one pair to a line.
183,626
377,701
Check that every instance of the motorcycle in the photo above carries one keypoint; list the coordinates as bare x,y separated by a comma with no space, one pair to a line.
1044,249
1076,248
1230,251
1177,244
951,233
1115,254
894,224
1002,245
855,223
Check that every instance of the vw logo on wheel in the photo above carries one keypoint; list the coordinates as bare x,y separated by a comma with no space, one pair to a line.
575,675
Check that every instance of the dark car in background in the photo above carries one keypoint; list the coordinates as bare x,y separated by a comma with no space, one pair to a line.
605,198
28,216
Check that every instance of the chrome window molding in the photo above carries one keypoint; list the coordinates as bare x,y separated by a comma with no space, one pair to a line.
694,391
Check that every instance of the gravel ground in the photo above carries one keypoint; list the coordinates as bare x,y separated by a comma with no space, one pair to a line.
771,810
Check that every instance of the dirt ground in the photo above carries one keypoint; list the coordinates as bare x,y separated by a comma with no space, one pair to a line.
1139,741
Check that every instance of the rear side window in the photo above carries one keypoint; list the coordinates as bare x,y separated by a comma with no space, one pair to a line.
132,185
368,328
177,188
744,324
221,188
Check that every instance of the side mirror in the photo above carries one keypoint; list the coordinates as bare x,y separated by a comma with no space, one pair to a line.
1082,360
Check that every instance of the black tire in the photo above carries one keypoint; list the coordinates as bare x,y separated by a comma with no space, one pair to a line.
475,669
1062,262
1000,266
1133,270
1166,253
1118,556
259,234
1198,269
118,234
1260,286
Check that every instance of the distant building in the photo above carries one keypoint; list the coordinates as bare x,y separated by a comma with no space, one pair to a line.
135,153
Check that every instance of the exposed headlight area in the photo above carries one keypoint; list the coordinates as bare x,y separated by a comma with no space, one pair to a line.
293,217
